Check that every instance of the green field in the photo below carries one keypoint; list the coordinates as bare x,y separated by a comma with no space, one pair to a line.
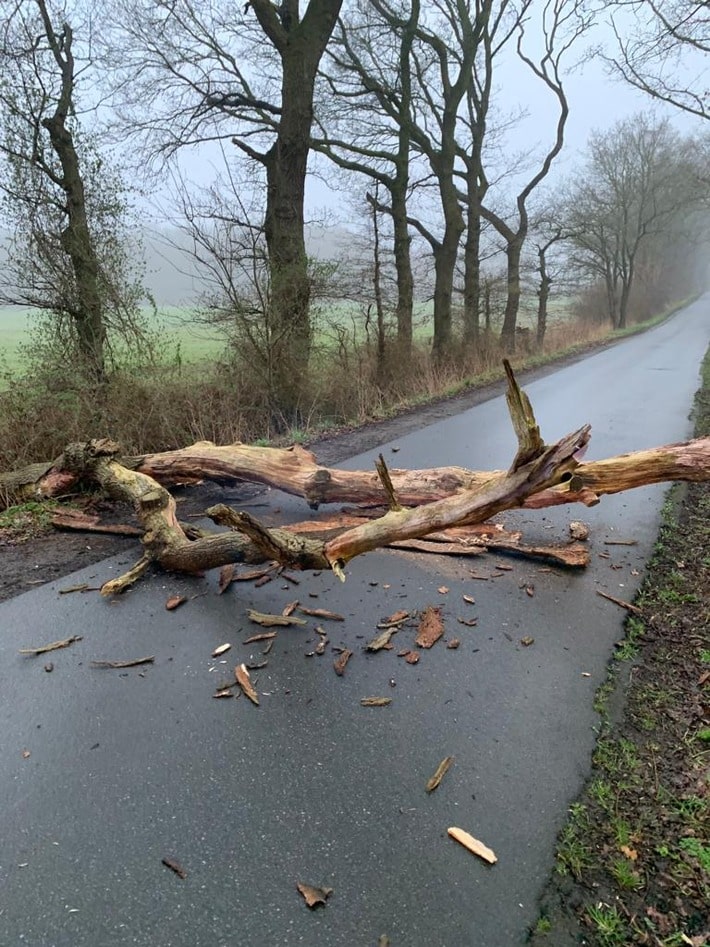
194,341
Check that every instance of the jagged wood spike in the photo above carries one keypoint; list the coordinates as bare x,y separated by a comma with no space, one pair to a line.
530,442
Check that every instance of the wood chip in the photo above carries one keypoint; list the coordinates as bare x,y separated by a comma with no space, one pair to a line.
527,641
314,896
431,627
175,866
620,542
270,621
263,636
54,646
249,576
222,649
469,622
226,577
123,664
469,599
443,590
380,641
242,678
262,581
321,646
579,531
26,754
473,845
321,613
175,601
453,644
339,663
290,608
441,771
223,692
530,590
395,620
375,701
620,602
412,657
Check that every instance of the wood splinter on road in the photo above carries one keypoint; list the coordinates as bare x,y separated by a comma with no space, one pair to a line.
473,845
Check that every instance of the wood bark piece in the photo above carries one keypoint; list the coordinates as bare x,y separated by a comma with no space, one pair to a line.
473,845
441,771
54,646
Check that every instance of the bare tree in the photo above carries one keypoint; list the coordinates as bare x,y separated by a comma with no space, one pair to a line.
637,180
66,256
199,71
663,49
564,21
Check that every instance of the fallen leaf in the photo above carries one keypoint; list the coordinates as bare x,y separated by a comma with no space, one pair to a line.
375,701
431,627
381,640
175,866
270,621
222,649
527,641
54,646
469,599
442,590
453,644
469,622
264,636
123,664
314,896
339,663
242,677
321,613
441,771
290,608
473,845
629,852
175,601
412,657
226,577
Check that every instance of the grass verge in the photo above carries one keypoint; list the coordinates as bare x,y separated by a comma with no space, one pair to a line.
633,861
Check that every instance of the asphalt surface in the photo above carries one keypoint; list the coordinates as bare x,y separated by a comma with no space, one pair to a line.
127,767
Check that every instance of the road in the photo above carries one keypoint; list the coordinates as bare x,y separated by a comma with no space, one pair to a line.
128,767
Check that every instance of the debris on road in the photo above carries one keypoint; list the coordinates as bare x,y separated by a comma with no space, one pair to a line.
375,701
339,663
441,771
314,896
222,649
226,577
174,866
431,627
381,641
175,601
527,641
469,599
620,602
321,613
244,680
134,662
474,845
264,636
412,657
579,531
54,646
270,621
395,620
453,644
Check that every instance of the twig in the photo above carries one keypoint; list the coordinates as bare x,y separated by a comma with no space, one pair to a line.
54,646
123,664
620,602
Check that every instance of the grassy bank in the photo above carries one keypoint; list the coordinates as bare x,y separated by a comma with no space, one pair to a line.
633,864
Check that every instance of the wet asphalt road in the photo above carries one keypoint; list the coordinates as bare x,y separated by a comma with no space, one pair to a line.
129,767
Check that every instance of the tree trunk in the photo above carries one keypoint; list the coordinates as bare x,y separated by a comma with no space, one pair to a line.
513,252
543,294
472,276
403,268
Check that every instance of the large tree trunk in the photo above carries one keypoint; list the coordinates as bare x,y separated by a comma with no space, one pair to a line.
513,252
403,268
76,240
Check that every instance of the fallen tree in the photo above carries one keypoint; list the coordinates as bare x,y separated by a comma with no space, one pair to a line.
431,503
